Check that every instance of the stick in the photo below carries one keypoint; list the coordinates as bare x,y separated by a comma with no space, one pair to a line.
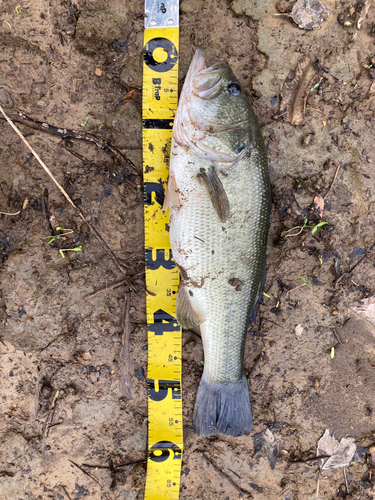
337,336
79,211
87,474
225,476
62,132
126,366
51,414
334,178
346,481
110,287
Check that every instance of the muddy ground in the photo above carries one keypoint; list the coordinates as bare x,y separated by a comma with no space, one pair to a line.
71,65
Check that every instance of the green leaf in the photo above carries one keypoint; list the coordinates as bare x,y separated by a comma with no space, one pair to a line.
314,229
266,295
332,353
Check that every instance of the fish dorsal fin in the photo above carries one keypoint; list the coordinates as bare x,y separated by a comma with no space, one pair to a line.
216,191
185,314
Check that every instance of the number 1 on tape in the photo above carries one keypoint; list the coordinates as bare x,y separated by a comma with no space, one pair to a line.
160,85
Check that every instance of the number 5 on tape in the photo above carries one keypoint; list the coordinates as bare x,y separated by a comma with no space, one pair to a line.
160,85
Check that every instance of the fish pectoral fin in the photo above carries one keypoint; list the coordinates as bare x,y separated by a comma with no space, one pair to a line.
185,314
172,198
216,191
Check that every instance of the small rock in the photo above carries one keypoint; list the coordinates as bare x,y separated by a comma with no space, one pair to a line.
86,356
98,72
94,377
5,99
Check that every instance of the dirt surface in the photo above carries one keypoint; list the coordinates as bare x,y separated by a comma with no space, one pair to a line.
70,65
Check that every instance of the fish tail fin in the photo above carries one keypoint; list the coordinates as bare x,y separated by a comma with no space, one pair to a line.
223,408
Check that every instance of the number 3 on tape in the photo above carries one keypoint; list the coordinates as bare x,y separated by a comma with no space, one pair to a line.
160,86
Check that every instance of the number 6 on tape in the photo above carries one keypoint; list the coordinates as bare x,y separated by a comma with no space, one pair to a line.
160,85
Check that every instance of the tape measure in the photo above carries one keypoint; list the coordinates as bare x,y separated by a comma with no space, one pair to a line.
160,85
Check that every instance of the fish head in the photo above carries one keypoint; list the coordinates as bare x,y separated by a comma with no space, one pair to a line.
214,115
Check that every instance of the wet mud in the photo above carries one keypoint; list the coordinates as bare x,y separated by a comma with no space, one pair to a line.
309,358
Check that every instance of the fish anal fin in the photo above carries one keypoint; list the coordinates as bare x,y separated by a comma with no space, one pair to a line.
216,191
185,314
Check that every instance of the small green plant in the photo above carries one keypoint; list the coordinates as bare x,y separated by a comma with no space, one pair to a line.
304,284
266,295
85,122
332,354
301,228
53,238
76,249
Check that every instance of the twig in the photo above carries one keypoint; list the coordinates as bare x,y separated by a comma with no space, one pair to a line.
312,459
5,213
79,211
346,481
333,181
84,160
62,132
273,323
126,366
85,472
51,414
337,336
193,333
131,463
225,476
110,287
66,493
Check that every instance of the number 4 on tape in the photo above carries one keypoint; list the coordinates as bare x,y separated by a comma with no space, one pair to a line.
160,85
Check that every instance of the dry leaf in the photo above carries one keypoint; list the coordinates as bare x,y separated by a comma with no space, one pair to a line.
294,91
270,445
318,206
299,330
309,14
98,72
365,308
340,452
129,95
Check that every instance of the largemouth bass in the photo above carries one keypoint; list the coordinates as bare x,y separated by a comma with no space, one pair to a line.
219,199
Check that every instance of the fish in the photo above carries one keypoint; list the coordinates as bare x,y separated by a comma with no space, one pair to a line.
219,200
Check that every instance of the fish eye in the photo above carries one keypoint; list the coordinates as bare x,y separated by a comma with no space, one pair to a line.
234,88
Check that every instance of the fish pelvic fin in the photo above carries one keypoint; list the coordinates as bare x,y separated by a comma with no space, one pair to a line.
185,314
216,191
223,408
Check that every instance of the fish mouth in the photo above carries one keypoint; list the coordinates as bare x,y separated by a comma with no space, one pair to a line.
204,81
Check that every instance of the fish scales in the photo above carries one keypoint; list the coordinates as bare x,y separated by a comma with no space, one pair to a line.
219,200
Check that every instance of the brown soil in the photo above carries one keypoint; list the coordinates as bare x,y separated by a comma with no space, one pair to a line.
62,63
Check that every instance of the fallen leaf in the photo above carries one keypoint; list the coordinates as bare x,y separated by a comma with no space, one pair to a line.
340,452
309,14
270,446
318,206
98,72
365,308
294,91
129,95
299,330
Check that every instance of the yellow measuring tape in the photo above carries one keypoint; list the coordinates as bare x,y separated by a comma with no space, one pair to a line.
160,85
